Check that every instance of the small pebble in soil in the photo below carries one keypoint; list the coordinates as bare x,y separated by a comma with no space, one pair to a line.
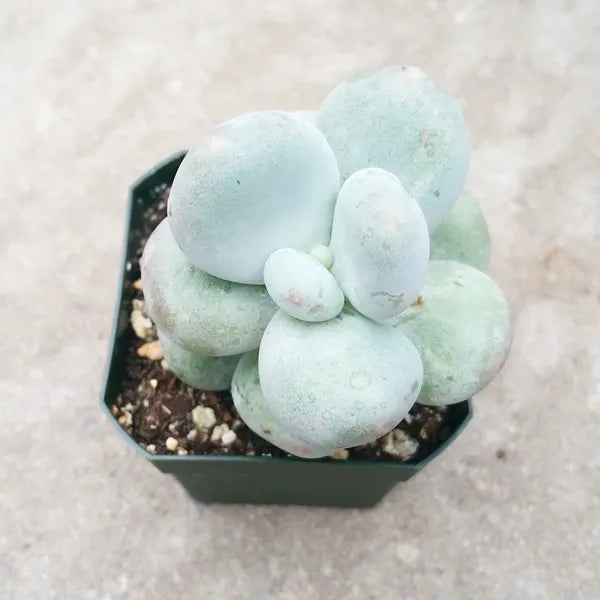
399,443
218,431
151,350
142,325
154,383
204,417
171,443
192,435
228,437
340,454
125,420
151,448
137,285
137,304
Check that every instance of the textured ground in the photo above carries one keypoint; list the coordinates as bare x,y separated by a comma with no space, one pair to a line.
92,94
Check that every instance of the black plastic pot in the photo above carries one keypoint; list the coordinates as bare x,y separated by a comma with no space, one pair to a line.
246,479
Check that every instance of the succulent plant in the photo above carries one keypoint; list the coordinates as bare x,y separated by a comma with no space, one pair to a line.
304,239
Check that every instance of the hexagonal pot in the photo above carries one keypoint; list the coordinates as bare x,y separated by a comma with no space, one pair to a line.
247,479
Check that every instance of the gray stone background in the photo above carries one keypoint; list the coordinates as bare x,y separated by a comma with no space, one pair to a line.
93,94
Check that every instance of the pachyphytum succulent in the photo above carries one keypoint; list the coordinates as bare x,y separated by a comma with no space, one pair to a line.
332,256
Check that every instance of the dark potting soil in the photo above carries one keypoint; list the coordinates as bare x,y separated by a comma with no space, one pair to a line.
156,408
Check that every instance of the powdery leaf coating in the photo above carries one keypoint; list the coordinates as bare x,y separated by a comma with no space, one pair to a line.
463,236
462,331
252,408
380,242
339,383
259,182
301,286
197,311
198,370
399,119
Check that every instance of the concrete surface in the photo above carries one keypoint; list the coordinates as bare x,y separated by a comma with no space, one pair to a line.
93,93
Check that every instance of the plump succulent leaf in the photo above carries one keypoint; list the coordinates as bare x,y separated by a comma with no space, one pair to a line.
195,310
253,409
380,244
463,236
301,286
461,327
259,182
198,370
339,383
399,119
